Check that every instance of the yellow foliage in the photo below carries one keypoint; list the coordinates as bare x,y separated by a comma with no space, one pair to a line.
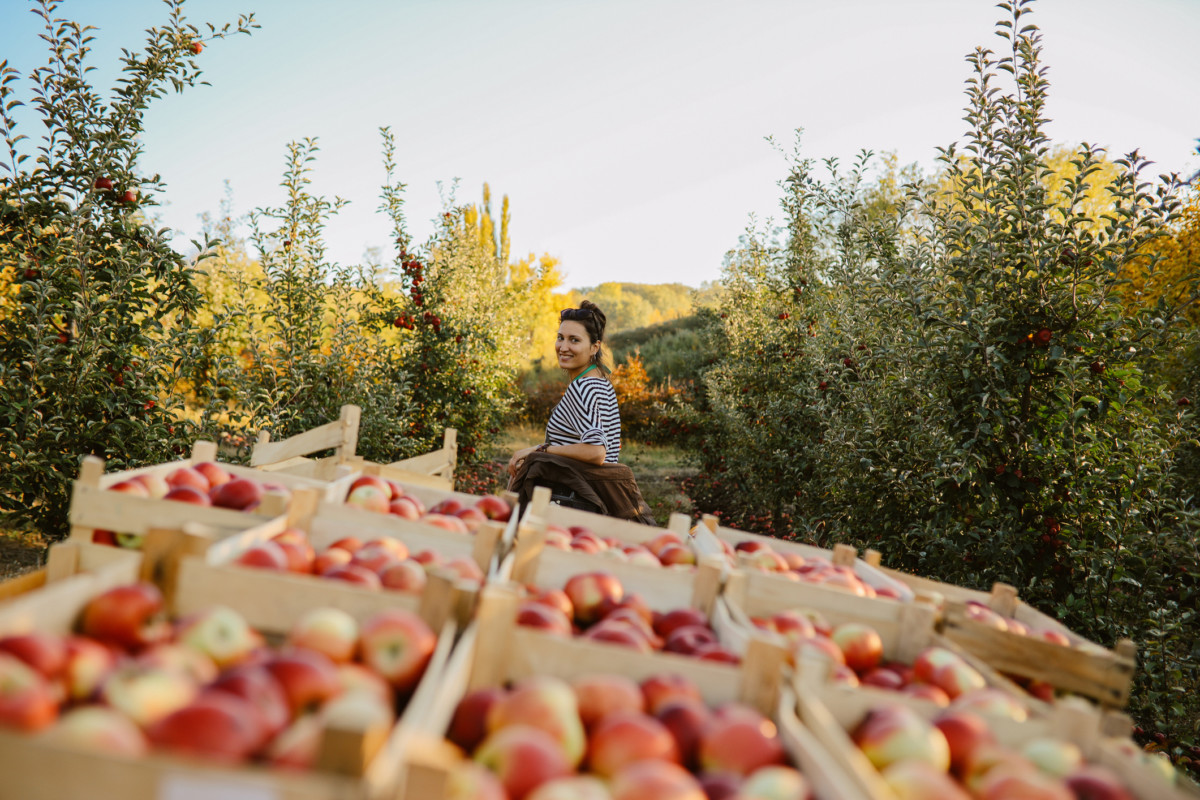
1172,278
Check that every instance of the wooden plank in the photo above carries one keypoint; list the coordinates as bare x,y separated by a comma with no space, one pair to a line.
433,463
323,437
14,587
828,779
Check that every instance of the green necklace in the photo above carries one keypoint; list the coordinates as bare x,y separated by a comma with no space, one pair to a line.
585,372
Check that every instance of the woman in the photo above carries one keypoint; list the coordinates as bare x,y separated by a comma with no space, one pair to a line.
586,423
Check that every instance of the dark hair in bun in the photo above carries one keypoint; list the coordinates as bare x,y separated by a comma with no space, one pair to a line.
593,320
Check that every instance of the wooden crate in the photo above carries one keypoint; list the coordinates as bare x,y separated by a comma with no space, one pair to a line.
69,558
711,538
292,455
353,764
93,507
540,507
495,651
832,716
1085,668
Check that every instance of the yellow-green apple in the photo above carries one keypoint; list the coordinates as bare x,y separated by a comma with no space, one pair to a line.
28,702
532,614
264,555
221,633
573,787
308,678
1022,780
1096,782
188,494
860,644
602,694
655,780
404,507
892,733
99,729
913,779
523,757
129,616
666,624
397,644
297,745
1053,756
88,663
217,726
404,576
471,781
328,559
964,732
215,474
43,651
156,485
593,594
660,689
468,726
370,498
627,736
494,508
686,718
740,740
546,703
255,684
171,655
147,694
355,574
992,702
776,783
358,709
327,630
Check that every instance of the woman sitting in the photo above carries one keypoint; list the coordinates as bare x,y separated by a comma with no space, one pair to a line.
578,460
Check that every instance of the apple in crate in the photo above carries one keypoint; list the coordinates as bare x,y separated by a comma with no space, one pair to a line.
88,663
217,726
655,780
146,694
471,781
221,633
740,740
658,690
99,729
370,498
918,780
327,630
255,684
133,487
44,652
860,644
686,719
308,678
624,737
264,555
186,476
155,484
188,494
592,595
523,758
894,733
330,559
397,644
214,473
602,694
494,508
404,576
573,787
546,703
965,732
27,700
130,616
468,726
532,614
405,507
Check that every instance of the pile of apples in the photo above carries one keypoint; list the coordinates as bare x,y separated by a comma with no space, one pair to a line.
938,675
653,741
131,681
983,614
388,497
204,484
956,757
665,550
379,563
760,555
594,605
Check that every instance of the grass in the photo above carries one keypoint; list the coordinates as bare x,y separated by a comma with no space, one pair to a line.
658,468
20,552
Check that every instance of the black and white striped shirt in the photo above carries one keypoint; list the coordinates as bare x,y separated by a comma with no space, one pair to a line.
587,414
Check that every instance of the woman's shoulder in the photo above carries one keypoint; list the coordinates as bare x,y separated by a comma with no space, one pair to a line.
590,387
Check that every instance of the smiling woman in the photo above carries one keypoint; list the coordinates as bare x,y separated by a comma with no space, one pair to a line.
578,459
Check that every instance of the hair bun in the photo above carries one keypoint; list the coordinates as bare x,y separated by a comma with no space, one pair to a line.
597,314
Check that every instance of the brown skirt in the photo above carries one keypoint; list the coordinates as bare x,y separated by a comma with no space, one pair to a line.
609,487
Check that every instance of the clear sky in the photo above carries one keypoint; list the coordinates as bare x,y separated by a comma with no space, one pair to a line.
628,134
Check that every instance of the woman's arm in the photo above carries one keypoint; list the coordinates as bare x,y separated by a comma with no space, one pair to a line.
588,453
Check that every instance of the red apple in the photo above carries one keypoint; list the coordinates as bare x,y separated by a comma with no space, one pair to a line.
678,618
404,576
686,718
600,695
619,632
546,703
964,732
573,787
188,494
308,678
255,684
465,569
1097,782
300,555
979,612
217,726
624,737
296,746
739,740
532,614
348,543
656,544
213,473
926,691
1023,781
370,498
127,616
468,727
860,644
175,656
43,651
931,659
819,647
372,480
655,780
445,522
405,508
883,678
556,598
186,476
493,507
377,556
397,644
264,555
592,595
131,486
689,639
27,699
721,785
333,557
676,554
354,574
471,781
155,484
471,517
957,678
666,687
523,758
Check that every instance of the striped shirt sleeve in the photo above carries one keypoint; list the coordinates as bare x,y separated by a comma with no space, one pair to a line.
587,414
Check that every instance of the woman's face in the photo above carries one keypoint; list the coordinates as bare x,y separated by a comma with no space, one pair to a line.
573,348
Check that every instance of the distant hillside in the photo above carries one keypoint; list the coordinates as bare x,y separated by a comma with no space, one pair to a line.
637,305
672,350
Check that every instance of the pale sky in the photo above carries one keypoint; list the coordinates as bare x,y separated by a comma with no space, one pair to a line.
628,134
